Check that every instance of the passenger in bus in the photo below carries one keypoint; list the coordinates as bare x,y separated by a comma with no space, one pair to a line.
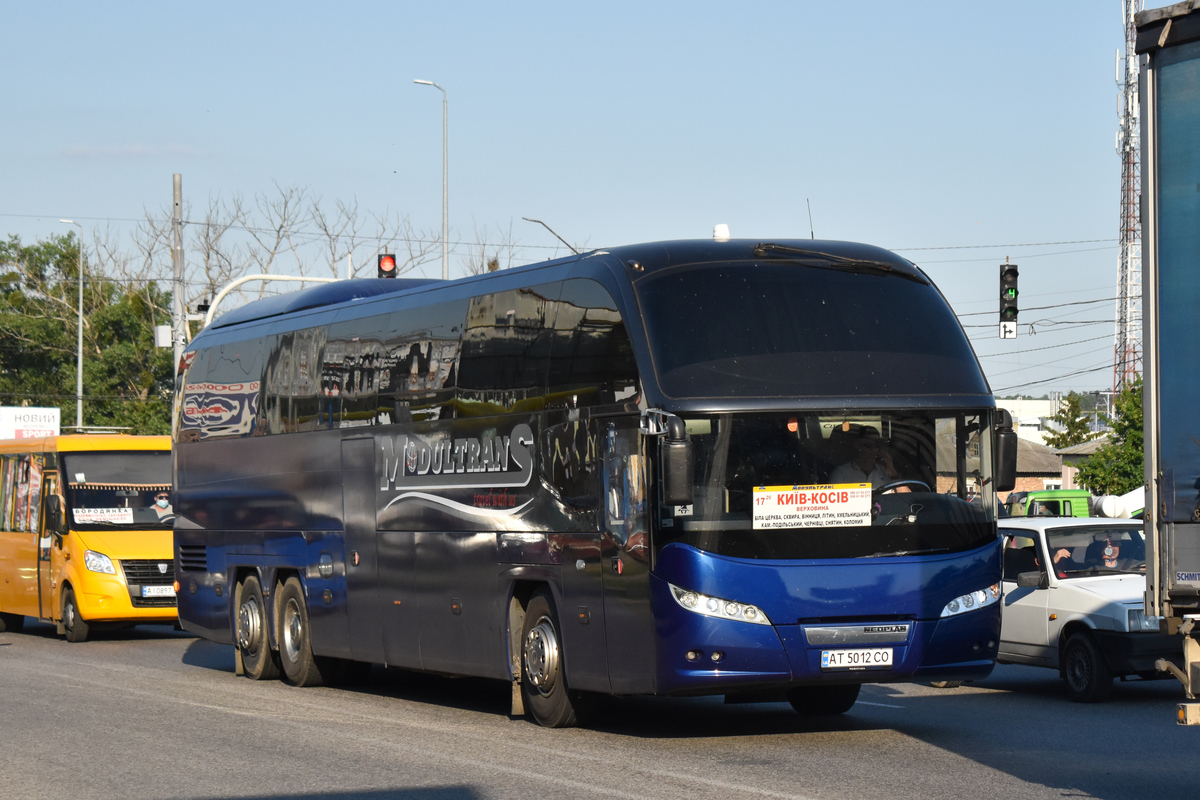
870,463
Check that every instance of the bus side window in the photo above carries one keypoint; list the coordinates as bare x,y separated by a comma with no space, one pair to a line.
506,350
591,358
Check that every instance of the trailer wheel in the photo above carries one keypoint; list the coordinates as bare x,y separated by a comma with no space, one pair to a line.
13,623
75,626
295,644
258,660
543,680
823,701
1088,678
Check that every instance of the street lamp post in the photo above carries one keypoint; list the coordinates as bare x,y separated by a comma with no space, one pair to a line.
445,216
79,340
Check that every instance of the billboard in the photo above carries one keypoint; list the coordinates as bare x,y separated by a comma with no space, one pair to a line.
28,423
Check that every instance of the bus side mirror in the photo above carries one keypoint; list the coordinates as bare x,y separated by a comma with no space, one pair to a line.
678,465
54,514
1006,452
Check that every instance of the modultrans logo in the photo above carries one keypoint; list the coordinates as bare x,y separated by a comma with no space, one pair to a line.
412,462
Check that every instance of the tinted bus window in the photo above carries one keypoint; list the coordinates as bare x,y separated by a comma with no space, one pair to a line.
592,361
505,351
778,329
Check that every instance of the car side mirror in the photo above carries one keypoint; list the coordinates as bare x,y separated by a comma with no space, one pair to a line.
1033,580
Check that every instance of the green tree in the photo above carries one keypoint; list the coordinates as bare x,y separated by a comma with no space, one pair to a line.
1074,424
1117,465
127,382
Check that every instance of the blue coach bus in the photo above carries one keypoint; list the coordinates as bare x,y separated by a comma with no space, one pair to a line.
763,470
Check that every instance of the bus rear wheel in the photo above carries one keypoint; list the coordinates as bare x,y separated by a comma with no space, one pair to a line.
295,644
258,661
13,623
543,679
823,701
77,630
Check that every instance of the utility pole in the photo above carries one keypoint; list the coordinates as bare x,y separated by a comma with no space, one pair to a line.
1127,355
178,309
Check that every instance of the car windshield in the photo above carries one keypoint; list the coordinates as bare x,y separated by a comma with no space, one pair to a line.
832,485
129,489
1079,551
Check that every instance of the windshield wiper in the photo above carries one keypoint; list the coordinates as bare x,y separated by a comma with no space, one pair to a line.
885,553
821,260
1102,571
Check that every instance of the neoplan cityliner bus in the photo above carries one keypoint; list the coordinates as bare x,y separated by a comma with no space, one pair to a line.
609,473
82,540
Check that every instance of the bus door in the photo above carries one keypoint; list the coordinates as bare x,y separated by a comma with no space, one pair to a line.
46,550
625,559
361,557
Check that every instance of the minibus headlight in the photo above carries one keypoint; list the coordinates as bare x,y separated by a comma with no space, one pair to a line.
98,562
970,602
718,607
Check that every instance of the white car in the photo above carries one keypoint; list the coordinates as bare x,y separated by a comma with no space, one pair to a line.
1084,617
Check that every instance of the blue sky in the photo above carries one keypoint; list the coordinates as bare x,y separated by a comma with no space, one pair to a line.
972,126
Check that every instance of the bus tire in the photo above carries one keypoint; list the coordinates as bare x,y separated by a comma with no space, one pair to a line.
259,662
1084,671
543,680
823,701
295,644
76,628
13,623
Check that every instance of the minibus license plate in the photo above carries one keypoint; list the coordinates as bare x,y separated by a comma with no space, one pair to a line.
158,591
859,658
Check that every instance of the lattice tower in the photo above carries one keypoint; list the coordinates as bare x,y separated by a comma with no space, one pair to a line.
1128,351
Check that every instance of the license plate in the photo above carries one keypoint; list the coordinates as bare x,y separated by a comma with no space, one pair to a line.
158,591
858,658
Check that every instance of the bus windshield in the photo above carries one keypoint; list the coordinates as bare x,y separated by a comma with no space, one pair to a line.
787,329
825,485
125,489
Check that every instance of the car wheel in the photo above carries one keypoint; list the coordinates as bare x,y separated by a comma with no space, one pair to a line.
823,701
1084,670
259,662
548,699
295,644
77,630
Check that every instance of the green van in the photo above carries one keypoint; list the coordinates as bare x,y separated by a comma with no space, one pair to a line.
1049,503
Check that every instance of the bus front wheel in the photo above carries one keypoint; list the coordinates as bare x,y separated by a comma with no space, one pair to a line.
295,644
543,680
77,630
823,701
258,661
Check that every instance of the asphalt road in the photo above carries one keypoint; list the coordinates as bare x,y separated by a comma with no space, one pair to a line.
152,713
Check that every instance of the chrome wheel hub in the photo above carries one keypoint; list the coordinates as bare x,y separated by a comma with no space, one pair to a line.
249,625
293,630
542,656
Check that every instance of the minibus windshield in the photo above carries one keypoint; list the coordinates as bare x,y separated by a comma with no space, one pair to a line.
125,489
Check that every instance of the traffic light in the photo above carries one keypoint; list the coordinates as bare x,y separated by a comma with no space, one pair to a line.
1008,292
386,266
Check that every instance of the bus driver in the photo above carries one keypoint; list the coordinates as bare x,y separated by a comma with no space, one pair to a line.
871,462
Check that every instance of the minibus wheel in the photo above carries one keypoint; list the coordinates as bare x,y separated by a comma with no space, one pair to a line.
543,680
258,661
77,630
13,623
823,701
295,644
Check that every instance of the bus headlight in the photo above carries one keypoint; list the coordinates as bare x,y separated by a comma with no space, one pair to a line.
970,602
718,607
98,562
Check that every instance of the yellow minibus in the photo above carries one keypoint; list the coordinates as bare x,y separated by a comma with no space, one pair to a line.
85,532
